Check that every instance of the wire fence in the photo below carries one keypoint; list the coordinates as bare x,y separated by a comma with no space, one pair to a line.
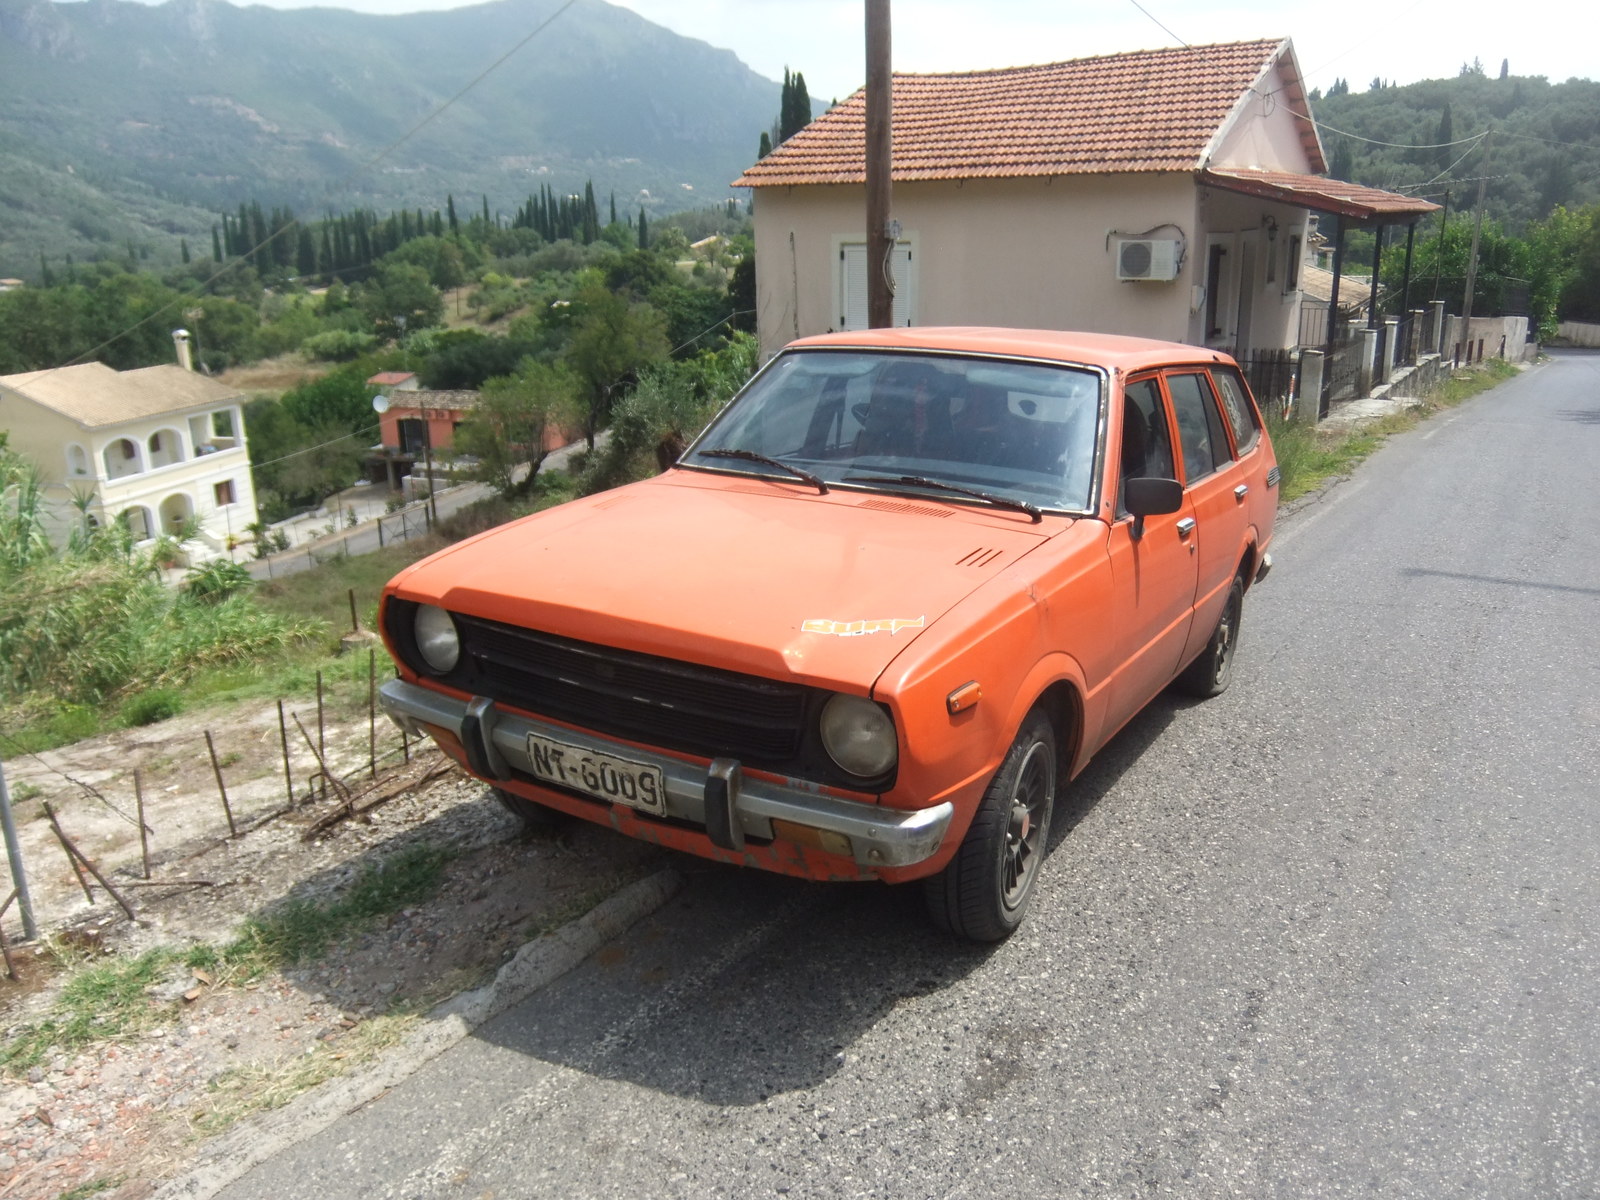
387,530
309,778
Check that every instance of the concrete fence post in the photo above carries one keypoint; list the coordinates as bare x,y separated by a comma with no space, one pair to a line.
1369,360
1436,329
1391,334
1309,408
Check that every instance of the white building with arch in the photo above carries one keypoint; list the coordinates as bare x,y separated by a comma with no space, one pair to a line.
153,448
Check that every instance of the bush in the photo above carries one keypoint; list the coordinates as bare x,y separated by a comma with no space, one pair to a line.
149,707
216,580
338,345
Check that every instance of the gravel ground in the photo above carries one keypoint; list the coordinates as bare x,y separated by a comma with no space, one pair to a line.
124,1115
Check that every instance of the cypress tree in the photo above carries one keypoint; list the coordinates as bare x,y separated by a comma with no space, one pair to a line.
450,209
216,245
183,249
613,208
766,145
644,231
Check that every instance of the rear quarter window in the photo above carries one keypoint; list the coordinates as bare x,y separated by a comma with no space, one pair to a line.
1237,408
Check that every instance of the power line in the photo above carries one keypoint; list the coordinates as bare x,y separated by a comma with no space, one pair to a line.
1159,25
342,185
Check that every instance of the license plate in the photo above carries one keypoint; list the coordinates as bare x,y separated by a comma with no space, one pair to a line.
603,776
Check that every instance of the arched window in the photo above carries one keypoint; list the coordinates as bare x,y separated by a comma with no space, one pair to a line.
166,448
175,510
122,459
138,521
77,461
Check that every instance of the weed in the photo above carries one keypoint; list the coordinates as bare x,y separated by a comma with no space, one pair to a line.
93,1188
239,1093
24,792
155,705
111,1001
301,930
99,1003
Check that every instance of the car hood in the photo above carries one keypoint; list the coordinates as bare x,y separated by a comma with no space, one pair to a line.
745,575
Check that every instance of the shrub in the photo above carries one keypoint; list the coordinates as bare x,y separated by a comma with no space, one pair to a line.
216,580
149,707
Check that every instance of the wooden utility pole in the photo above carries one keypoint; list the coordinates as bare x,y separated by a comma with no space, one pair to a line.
880,108
1472,257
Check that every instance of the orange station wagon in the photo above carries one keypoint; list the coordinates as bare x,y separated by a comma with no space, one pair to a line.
898,592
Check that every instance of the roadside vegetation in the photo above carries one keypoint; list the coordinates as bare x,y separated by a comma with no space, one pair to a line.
1309,457
112,1001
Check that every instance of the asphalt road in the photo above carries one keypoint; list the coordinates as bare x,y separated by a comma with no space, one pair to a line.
1332,934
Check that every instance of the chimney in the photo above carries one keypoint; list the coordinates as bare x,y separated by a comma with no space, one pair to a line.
180,339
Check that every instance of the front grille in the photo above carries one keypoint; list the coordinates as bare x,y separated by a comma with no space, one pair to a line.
655,701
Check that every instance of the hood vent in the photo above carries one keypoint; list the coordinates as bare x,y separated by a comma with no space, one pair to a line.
903,506
981,557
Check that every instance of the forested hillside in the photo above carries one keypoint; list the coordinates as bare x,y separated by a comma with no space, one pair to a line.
125,122
1536,144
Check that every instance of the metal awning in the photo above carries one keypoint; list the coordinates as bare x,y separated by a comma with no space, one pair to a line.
1348,200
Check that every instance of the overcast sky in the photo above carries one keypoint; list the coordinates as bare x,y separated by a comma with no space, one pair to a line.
1400,40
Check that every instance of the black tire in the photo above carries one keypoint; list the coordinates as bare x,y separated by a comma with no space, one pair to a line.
1210,674
535,817
984,891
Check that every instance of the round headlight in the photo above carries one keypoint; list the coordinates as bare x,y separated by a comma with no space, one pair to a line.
437,640
859,736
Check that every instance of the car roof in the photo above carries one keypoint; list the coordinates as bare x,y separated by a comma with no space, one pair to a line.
1099,349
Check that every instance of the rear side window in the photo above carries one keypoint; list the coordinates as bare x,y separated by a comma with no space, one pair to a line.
1201,434
1237,408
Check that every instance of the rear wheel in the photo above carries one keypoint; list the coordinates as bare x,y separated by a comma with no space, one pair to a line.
535,818
984,891
1210,674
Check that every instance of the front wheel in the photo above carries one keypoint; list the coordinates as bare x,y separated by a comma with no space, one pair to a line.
984,891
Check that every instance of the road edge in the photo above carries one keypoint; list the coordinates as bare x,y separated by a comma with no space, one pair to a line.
536,965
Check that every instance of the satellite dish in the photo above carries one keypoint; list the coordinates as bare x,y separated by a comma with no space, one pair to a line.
380,404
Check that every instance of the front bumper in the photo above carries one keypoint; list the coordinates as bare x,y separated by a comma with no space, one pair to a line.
729,805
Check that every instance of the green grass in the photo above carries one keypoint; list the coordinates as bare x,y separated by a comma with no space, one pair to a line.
1308,458
110,1001
302,930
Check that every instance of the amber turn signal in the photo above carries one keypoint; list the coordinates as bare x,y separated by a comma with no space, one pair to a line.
964,697
820,839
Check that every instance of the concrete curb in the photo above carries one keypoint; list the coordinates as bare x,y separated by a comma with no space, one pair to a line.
536,965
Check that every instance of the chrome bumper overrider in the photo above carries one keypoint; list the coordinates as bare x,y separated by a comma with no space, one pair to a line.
497,743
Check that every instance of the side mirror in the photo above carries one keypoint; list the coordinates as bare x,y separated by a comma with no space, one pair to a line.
1150,498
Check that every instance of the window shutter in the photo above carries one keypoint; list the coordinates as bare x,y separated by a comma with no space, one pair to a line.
853,284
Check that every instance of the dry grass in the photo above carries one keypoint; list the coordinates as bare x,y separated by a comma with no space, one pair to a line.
275,375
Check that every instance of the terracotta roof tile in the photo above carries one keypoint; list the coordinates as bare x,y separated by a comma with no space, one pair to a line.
1152,110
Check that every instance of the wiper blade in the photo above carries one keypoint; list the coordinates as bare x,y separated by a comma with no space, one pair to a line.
757,457
939,485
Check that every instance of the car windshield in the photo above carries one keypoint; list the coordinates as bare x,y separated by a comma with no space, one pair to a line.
1018,431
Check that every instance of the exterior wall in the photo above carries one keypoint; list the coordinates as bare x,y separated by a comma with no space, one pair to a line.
441,424
1028,253
184,486
1032,253
1262,301
1262,133
1576,333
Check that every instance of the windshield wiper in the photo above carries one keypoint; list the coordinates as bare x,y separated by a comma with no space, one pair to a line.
939,485
757,457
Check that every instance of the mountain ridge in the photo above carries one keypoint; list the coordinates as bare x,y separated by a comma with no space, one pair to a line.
205,104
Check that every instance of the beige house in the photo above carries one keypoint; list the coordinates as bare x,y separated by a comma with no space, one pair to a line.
1163,193
152,448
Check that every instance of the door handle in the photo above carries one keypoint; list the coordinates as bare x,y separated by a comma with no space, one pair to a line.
1240,492
1185,527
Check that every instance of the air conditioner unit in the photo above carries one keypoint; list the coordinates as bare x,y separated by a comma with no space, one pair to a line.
1147,259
